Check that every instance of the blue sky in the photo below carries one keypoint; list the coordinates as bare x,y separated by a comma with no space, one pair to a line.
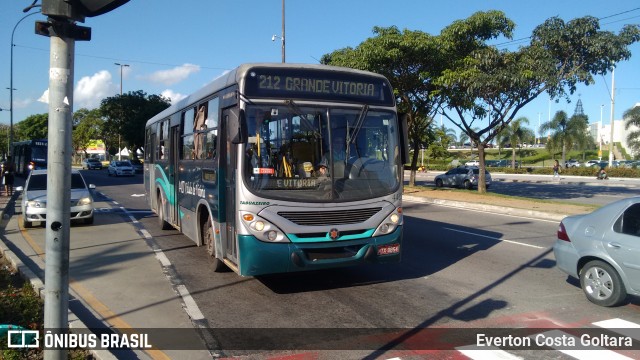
175,47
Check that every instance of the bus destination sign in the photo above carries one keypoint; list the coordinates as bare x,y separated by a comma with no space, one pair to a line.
313,84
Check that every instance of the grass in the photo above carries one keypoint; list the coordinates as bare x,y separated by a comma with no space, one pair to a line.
20,305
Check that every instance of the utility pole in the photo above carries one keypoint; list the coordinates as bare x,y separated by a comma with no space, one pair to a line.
60,27
613,101
120,131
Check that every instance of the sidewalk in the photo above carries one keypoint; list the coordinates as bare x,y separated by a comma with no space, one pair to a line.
116,282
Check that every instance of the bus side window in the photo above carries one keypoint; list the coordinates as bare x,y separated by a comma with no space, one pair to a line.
210,144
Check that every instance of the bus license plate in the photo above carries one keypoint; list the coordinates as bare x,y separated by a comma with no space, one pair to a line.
389,249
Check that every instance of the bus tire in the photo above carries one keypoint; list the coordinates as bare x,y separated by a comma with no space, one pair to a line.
164,225
210,244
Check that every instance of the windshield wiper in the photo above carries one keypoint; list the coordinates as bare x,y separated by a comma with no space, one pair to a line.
352,136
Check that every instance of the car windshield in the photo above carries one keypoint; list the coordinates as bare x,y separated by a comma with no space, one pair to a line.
321,154
39,182
123,163
477,171
92,160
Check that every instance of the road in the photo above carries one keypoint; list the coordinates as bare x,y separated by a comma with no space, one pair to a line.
576,190
460,269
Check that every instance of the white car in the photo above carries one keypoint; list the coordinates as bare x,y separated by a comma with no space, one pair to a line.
591,163
472,163
120,168
34,198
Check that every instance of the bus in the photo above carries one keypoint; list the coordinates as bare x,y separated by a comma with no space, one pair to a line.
29,155
235,168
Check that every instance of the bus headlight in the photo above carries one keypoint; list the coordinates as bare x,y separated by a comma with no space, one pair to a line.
262,229
390,223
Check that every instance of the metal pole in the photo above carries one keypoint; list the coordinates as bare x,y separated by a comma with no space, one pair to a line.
119,132
613,101
56,301
283,37
11,84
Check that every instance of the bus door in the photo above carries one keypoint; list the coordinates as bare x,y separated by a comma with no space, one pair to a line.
229,162
174,155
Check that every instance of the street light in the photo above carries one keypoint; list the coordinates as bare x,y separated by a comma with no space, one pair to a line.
11,82
274,37
119,135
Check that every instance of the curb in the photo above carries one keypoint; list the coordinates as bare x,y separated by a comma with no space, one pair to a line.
485,207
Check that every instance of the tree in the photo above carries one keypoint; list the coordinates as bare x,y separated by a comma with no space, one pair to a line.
565,132
441,137
632,119
89,126
411,61
515,133
484,84
126,116
33,127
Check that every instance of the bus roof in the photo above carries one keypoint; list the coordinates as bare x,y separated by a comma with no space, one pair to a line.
234,76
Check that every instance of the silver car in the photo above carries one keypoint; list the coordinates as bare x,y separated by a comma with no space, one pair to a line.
602,249
462,176
34,198
120,168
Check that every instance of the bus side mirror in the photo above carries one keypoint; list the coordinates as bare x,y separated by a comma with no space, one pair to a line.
404,138
236,126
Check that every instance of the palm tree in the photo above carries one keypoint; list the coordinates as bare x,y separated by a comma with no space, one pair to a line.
632,118
515,133
566,132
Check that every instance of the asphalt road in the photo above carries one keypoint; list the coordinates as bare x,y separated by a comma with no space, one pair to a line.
543,188
460,269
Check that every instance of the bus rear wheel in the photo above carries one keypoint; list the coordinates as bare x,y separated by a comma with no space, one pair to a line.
209,241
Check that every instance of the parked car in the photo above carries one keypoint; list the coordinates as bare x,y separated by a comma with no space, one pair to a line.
601,249
591,163
463,176
34,198
120,168
472,163
91,163
572,163
137,166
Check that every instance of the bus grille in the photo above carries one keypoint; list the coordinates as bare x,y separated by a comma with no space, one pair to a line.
336,217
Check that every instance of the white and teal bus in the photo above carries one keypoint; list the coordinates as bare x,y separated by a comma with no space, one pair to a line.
236,168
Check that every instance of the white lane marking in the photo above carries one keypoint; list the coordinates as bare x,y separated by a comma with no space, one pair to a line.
497,239
488,353
622,327
192,308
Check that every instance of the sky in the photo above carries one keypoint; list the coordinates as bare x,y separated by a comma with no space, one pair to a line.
174,48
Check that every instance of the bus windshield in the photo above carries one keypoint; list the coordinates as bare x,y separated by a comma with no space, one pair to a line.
321,154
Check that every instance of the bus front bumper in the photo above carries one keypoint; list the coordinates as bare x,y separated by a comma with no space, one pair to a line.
258,257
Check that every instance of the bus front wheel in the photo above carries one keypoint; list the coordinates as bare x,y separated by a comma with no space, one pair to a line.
209,241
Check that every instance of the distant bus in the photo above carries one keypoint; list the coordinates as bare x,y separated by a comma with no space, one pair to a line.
29,155
236,167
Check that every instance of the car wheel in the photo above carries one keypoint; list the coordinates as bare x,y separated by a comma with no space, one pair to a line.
209,241
602,284
26,224
89,220
439,183
164,225
467,185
